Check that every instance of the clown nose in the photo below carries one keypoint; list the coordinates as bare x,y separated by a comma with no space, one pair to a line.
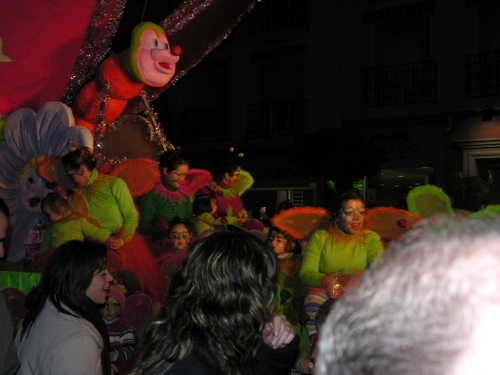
176,50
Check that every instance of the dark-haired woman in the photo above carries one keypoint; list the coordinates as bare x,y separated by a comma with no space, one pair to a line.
218,317
344,249
172,196
63,332
110,203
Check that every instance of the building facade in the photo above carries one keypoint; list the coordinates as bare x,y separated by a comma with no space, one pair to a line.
419,79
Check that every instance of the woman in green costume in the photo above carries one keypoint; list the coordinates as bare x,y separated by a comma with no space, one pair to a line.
334,254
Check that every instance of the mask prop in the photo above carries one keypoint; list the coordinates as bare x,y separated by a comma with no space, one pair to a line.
149,61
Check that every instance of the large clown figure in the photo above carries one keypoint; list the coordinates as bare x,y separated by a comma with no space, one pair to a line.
148,61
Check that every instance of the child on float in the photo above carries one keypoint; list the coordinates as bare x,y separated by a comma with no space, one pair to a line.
66,225
205,210
180,236
229,183
123,337
291,291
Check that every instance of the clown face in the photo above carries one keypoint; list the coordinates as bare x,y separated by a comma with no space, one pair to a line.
150,58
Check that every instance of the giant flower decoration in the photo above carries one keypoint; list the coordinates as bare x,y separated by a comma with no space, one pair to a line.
30,138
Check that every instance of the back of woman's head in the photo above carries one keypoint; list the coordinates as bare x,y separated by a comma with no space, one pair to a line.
65,279
233,269
77,157
172,159
219,301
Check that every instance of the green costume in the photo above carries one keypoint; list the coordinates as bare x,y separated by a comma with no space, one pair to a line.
333,251
73,226
291,291
229,198
109,202
206,221
163,203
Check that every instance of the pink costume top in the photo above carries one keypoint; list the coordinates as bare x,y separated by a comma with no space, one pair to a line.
229,198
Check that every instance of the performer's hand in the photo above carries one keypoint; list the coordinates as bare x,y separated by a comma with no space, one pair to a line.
113,243
332,286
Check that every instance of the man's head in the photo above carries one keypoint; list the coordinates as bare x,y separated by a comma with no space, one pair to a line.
431,306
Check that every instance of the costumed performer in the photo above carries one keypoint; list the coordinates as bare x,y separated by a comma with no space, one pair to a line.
336,254
229,182
206,216
66,225
179,240
172,196
110,203
307,358
62,332
292,291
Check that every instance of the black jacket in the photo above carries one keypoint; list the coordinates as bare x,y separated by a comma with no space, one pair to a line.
269,362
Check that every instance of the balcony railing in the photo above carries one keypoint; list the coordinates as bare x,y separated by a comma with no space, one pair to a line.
205,125
482,75
278,118
400,84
